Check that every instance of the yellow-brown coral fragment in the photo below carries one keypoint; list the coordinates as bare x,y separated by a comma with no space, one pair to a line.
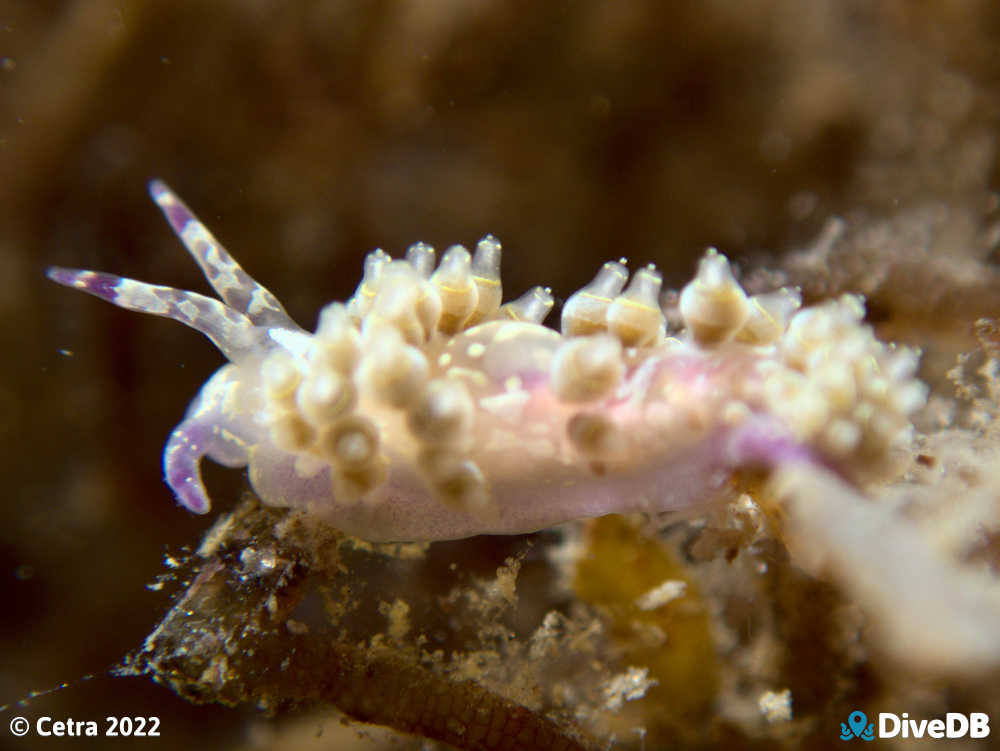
620,566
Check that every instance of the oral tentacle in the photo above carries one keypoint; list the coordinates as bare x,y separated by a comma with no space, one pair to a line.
234,285
236,336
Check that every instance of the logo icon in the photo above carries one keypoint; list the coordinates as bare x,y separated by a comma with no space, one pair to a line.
857,726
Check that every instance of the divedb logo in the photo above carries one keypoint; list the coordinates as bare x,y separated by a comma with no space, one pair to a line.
954,725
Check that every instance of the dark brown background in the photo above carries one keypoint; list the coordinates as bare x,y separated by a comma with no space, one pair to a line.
305,134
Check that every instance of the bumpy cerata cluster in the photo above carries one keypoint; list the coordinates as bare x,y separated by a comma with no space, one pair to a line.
426,408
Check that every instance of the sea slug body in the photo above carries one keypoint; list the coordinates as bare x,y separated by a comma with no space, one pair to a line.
424,409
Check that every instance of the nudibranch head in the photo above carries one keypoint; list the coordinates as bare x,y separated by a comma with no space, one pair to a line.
425,408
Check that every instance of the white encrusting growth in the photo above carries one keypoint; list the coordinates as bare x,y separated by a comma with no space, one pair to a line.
424,408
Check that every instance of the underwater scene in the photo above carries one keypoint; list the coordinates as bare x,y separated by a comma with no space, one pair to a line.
553,377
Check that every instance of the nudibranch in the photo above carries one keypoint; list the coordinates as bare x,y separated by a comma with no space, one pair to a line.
425,408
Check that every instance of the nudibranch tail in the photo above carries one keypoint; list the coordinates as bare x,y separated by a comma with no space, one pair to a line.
231,331
235,286
425,409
